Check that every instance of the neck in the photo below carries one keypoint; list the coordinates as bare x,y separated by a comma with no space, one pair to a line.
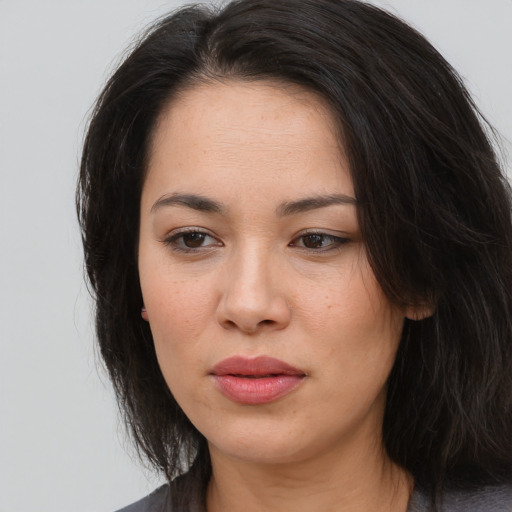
327,482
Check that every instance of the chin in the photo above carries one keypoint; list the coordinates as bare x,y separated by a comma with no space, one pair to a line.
264,442
261,451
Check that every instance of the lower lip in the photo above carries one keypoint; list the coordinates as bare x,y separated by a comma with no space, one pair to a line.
256,391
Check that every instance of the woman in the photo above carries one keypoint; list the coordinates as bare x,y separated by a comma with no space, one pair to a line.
299,241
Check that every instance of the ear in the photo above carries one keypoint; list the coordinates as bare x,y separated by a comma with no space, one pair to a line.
419,312
144,314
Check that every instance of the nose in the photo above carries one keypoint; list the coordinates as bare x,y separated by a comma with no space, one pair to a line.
253,296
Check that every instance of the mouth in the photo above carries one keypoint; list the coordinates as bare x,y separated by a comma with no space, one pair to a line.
256,381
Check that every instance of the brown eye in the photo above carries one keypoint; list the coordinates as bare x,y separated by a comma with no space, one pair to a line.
319,242
314,241
193,240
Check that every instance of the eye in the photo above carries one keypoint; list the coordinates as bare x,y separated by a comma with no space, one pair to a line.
190,240
319,241
194,240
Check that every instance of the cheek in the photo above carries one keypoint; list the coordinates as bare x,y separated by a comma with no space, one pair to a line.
357,331
179,311
178,315
351,301
177,308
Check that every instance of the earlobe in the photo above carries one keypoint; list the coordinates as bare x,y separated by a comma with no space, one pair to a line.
419,312
144,314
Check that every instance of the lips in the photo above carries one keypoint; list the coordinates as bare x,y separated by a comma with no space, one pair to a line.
255,381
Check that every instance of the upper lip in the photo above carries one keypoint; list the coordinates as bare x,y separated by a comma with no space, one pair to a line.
255,366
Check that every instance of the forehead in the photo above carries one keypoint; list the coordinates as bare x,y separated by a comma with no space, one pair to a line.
248,131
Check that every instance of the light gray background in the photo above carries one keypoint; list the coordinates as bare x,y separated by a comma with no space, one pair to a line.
61,447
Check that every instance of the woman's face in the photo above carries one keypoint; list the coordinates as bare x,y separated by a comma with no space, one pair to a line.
269,326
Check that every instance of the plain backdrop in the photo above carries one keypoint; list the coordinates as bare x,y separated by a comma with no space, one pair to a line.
61,446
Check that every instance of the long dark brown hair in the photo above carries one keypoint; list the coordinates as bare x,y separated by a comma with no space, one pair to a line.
435,215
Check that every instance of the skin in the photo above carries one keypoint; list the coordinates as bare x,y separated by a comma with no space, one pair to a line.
255,282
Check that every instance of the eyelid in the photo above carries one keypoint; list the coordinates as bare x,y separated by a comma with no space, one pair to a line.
170,239
339,239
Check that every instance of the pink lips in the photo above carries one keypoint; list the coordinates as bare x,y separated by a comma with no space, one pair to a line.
255,381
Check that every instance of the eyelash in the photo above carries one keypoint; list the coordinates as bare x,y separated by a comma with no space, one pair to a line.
176,238
335,242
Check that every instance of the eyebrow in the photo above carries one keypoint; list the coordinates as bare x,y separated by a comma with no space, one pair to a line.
314,203
205,204
196,202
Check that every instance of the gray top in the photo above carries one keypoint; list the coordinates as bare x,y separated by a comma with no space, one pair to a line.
496,498
487,499
156,502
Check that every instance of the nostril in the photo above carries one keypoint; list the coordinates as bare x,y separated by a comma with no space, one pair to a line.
230,323
252,312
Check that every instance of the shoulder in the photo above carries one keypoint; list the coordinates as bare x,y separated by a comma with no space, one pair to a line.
183,494
157,501
491,498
